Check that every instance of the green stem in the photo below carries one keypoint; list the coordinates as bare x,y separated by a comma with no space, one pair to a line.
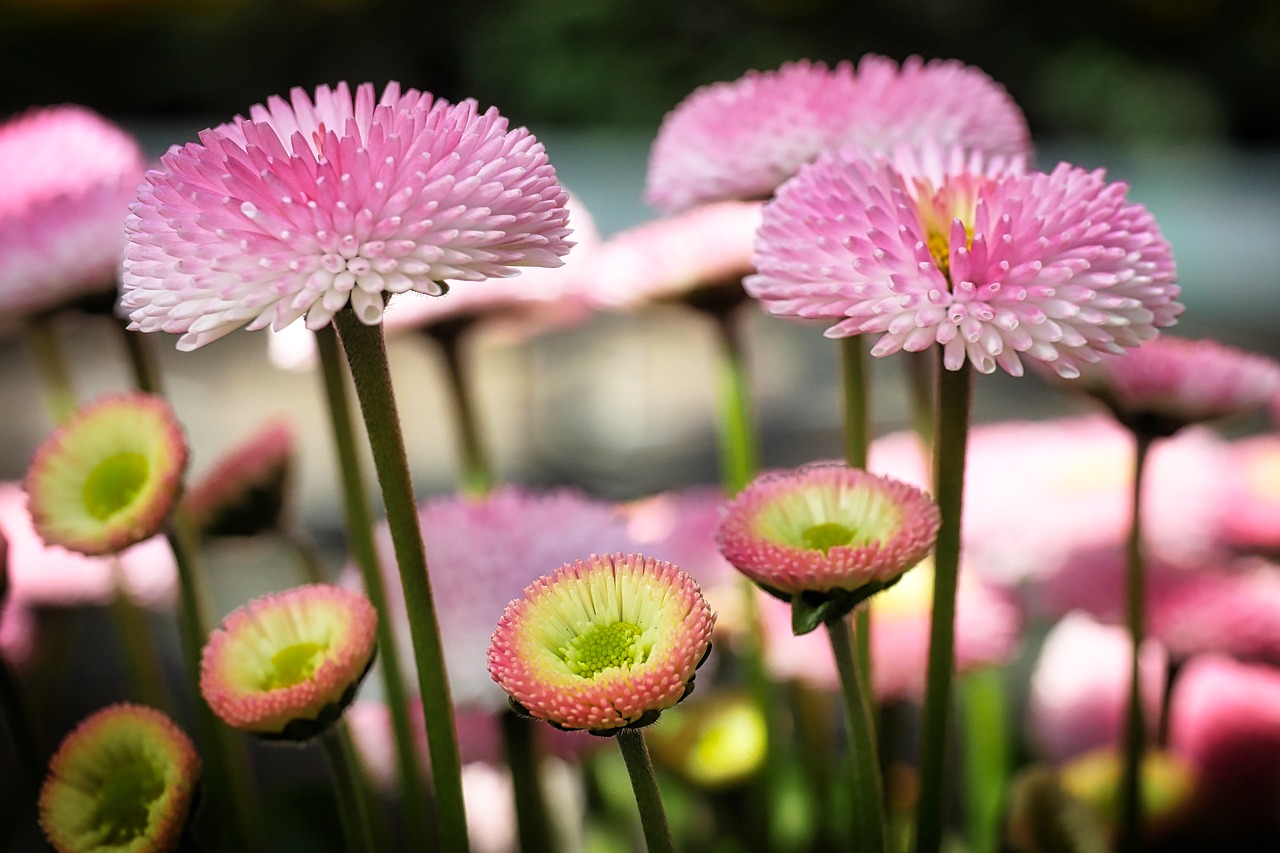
367,357
738,442
23,727
51,363
653,817
920,381
359,522
532,819
857,405
139,645
987,756
955,398
476,476
867,787
1135,726
142,361
353,808
224,752
310,563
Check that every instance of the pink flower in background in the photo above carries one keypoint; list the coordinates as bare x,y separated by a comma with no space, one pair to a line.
1234,611
313,204
482,553
1251,521
67,176
704,249
1080,687
740,140
1168,383
1225,720
968,252
244,492
17,632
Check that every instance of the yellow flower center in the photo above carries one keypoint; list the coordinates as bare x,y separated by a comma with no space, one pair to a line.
114,484
294,665
823,537
123,802
604,647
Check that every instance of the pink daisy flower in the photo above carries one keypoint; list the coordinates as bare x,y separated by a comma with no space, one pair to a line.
483,553
1225,720
740,140
1080,687
1233,611
287,664
244,492
969,252
826,536
67,176
316,203
1252,520
603,644
1168,383
124,780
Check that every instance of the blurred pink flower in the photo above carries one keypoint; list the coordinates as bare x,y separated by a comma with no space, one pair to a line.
1234,611
50,576
1225,720
1168,383
1080,687
740,140
968,252
310,205
17,632
67,176
1251,521
244,492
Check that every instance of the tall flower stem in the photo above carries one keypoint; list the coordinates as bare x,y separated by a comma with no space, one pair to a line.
141,357
138,643
955,399
353,808
532,820
28,741
986,727
359,522
867,786
224,751
476,475
51,363
739,456
857,439
920,384
1135,735
367,358
653,817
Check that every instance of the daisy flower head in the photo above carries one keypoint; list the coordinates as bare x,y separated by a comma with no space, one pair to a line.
602,644
1168,383
123,780
825,536
108,477
286,665
244,492
316,203
67,176
741,140
967,251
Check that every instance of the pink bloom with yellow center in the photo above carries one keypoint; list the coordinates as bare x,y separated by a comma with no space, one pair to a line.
968,252
1169,383
740,140
67,176
827,528
108,477
603,644
286,665
316,203
124,780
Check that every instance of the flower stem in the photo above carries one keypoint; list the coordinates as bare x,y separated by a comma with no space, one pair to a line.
986,761
51,363
867,786
359,522
142,360
28,742
367,358
353,808
476,475
955,398
920,381
139,644
857,439
738,441
532,820
653,817
1135,727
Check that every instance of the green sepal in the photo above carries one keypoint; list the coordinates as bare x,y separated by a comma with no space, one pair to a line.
810,609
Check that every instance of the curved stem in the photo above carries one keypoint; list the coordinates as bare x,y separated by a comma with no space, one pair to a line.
653,817
955,396
532,819
51,363
1135,726
739,455
142,360
310,564
475,477
367,358
353,808
867,786
359,522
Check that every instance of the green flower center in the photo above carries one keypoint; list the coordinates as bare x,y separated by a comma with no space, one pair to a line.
124,800
115,483
604,647
293,665
823,537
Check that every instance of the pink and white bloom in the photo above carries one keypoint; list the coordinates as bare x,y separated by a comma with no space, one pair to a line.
740,140
1251,521
969,252
67,176
316,203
